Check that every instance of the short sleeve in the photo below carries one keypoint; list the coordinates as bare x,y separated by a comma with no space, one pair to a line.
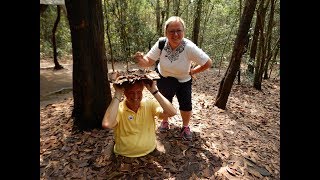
154,52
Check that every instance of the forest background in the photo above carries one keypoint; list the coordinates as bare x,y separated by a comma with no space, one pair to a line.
213,25
261,54
132,26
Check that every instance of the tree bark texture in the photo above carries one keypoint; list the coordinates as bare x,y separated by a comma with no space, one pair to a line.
253,48
269,39
167,8
231,72
91,89
196,22
176,7
158,20
57,66
260,62
43,8
108,34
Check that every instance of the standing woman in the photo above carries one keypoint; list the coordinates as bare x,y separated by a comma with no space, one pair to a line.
175,69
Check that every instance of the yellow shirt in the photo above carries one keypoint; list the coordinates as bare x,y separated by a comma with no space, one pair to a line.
135,132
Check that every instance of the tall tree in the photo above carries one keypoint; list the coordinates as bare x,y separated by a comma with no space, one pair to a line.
57,66
260,62
269,38
205,23
231,72
167,8
253,47
176,7
91,90
275,54
108,34
158,20
239,71
196,22
43,7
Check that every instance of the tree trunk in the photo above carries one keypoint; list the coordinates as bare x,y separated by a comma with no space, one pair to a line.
274,58
176,7
91,89
196,23
239,71
204,27
269,39
231,72
253,48
108,35
273,51
167,8
158,18
43,8
260,64
122,10
57,66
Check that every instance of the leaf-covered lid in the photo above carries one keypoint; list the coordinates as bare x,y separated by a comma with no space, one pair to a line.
119,77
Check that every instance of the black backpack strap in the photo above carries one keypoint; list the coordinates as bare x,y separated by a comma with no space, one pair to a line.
162,41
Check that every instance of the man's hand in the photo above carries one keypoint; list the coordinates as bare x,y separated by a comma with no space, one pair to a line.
118,90
150,85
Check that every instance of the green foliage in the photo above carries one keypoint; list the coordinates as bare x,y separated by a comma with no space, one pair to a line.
132,27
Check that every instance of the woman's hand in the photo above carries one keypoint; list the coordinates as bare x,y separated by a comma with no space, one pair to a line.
138,56
142,60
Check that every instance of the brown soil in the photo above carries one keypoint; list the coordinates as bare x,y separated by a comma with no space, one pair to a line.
242,142
55,85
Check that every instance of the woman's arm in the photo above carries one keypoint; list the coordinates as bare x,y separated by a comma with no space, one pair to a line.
199,68
142,60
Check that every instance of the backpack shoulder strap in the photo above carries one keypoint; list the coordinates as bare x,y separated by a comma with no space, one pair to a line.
162,41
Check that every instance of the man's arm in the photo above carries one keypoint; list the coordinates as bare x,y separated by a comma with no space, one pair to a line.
110,117
168,108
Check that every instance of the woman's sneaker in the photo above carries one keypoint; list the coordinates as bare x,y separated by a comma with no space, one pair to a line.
186,133
164,126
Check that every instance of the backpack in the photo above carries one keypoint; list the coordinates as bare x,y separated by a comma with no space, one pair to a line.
161,43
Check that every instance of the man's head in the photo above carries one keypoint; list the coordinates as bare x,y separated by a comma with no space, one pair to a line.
133,91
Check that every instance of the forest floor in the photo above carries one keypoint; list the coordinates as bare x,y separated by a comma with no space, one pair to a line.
241,142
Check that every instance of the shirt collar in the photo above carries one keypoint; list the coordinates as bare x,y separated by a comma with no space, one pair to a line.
125,107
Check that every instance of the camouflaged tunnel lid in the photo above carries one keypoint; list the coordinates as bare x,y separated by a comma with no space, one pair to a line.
119,77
